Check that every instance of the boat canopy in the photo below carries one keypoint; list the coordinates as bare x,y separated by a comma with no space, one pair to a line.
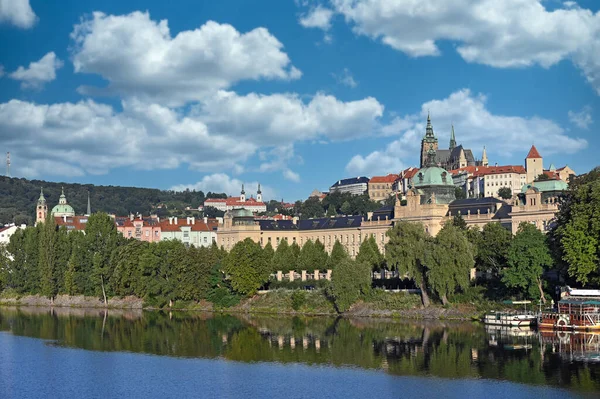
517,302
580,292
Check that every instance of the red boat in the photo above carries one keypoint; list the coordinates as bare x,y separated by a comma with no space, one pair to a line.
578,310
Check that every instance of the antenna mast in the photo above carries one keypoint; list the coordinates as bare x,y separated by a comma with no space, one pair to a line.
8,164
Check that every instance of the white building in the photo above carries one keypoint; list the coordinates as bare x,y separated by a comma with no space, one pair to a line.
199,233
353,185
227,204
7,231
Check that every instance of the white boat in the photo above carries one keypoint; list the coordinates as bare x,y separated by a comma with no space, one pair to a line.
512,319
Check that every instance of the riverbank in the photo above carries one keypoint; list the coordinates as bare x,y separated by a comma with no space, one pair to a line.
281,301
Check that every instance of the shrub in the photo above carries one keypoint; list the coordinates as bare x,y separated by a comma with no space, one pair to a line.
298,299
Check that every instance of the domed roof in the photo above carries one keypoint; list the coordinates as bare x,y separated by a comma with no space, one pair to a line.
63,209
432,175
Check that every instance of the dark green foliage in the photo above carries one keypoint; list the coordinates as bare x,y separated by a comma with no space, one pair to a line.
247,267
349,281
48,254
312,256
449,262
576,235
492,248
542,177
338,254
369,253
459,193
331,211
312,208
459,222
18,198
284,259
505,192
528,256
406,251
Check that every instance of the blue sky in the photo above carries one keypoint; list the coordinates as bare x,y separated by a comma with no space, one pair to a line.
292,94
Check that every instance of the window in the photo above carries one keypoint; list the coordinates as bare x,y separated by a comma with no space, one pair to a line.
129,233
186,234
147,233
156,233
205,239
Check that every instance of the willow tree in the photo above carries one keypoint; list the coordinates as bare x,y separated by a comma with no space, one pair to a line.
449,262
405,251
349,280
528,255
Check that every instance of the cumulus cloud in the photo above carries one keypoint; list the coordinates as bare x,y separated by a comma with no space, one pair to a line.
475,126
223,183
582,119
221,134
39,72
317,17
138,56
508,33
279,119
17,12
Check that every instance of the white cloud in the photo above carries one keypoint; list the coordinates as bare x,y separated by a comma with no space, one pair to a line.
317,17
39,72
582,119
346,78
223,183
475,126
291,175
17,12
507,33
279,119
138,56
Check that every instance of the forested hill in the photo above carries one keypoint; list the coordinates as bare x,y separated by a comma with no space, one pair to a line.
18,198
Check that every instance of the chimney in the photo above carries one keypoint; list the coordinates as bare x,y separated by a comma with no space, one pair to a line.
193,220
65,219
205,219
170,220
176,220
131,217
295,220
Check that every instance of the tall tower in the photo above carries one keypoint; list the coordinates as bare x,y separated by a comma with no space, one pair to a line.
89,206
452,139
259,194
428,142
533,164
41,209
243,194
484,158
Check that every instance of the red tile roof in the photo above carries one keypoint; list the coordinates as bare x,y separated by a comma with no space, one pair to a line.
384,179
72,222
409,173
490,170
533,153
552,174
198,225
234,201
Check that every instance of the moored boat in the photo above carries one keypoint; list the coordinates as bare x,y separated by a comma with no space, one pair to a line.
577,310
511,319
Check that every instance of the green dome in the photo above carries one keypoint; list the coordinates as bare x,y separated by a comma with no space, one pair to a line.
63,209
432,176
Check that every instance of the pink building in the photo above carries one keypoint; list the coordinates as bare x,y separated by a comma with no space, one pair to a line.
143,229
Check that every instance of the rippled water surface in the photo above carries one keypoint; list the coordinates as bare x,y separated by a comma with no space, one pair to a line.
92,354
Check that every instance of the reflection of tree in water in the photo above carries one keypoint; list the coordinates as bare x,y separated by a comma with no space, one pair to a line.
441,349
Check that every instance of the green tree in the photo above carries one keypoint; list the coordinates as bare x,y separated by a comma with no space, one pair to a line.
505,193
349,280
102,238
126,276
369,253
331,211
492,251
346,208
284,258
459,222
542,177
405,251
312,256
459,193
576,234
338,253
48,258
247,267
449,262
311,208
528,255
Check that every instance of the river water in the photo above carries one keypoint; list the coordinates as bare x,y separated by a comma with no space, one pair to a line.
77,353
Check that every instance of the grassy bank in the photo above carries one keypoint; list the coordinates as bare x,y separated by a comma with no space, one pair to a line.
378,303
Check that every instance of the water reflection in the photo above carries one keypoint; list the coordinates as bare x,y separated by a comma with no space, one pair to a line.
441,349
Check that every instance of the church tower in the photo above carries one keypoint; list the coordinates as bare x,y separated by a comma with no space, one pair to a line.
452,140
259,194
484,158
428,142
41,209
243,195
533,164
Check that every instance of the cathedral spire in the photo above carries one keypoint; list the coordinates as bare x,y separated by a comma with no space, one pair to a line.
452,139
429,129
484,158
42,199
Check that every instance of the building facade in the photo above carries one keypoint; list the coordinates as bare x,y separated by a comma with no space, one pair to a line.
242,202
381,187
355,186
190,231
7,231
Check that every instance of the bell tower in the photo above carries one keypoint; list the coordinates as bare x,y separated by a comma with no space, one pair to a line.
428,142
259,194
41,209
243,195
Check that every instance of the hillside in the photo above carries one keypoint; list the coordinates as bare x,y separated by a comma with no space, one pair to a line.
18,198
